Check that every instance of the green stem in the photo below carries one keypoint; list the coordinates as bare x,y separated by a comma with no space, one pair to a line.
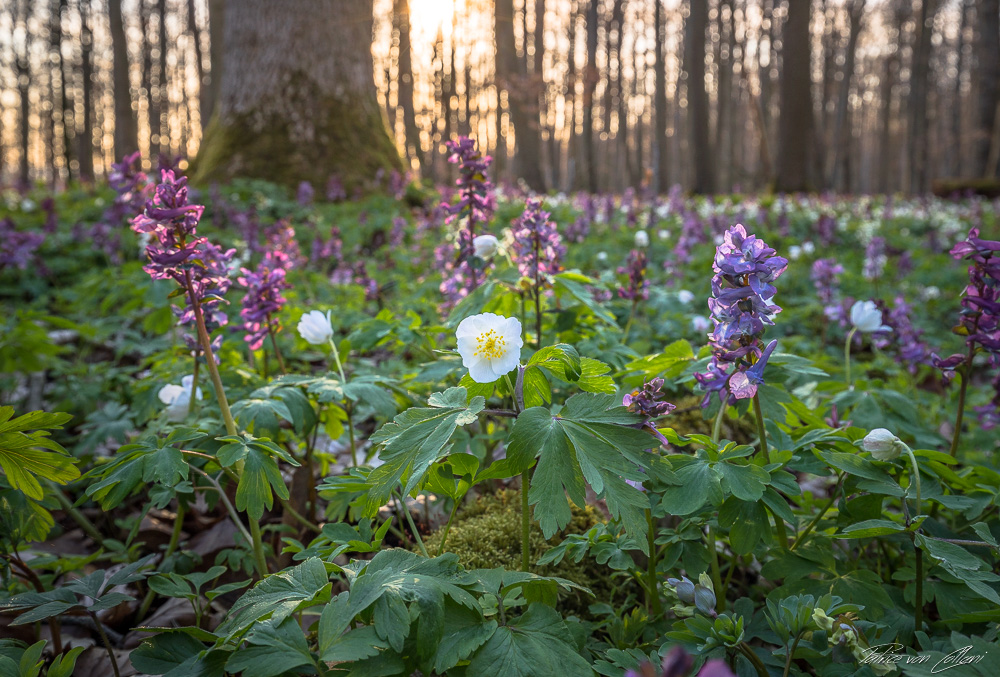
916,475
761,431
847,355
444,534
350,433
758,666
815,520
961,403
652,591
77,516
206,349
194,385
717,426
791,653
298,517
413,527
720,592
918,601
779,524
274,344
628,324
336,359
525,523
175,537
107,644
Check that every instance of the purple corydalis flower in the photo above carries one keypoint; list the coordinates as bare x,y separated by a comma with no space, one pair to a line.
826,279
263,299
17,248
537,247
305,194
637,288
335,189
648,401
912,351
875,259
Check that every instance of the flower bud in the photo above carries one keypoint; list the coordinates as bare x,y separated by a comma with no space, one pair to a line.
883,445
823,621
704,600
684,589
485,246
641,239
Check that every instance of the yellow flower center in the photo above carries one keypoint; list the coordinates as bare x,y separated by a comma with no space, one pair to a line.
490,345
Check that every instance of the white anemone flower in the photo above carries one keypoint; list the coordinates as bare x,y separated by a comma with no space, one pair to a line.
685,296
485,246
490,345
867,318
316,328
178,398
641,239
794,252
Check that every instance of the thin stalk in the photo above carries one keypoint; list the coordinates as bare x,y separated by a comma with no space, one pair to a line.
350,433
717,427
413,527
298,517
779,524
206,349
791,653
761,430
107,644
233,514
54,626
758,666
538,316
847,355
336,359
720,592
175,537
916,475
77,516
194,384
652,591
628,324
525,523
815,520
918,601
961,403
444,534
274,344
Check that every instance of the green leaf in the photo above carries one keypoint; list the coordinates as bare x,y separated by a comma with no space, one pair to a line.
856,465
64,664
575,285
261,416
164,651
278,596
274,649
562,358
415,439
870,528
537,643
697,483
746,482
31,663
23,455
747,523
260,474
464,631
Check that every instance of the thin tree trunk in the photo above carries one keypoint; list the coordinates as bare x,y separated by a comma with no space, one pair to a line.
956,155
590,77
22,65
698,113
146,82
401,19
842,130
920,73
163,81
795,130
199,64
723,122
216,55
126,132
86,132
660,156
988,18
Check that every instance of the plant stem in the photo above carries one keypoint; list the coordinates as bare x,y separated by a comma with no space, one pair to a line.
761,430
652,591
916,475
107,644
233,514
274,344
779,524
175,537
336,359
525,523
720,592
847,355
26,571
918,601
413,527
753,658
538,316
961,403
791,653
444,534
628,324
717,427
298,517
819,516
350,434
206,349
77,516
194,384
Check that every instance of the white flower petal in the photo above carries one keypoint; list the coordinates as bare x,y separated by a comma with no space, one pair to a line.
169,393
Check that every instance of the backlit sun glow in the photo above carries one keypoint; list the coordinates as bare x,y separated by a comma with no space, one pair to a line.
427,17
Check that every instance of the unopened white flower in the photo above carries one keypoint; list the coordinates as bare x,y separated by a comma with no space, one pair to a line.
178,398
27,205
794,252
808,247
316,328
490,345
485,246
700,323
641,239
602,256
883,445
867,318
663,233
685,296
931,292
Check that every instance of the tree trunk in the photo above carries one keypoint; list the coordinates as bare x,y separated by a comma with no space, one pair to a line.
216,55
85,134
22,65
660,164
589,86
302,106
795,130
842,131
956,155
621,136
401,19
988,16
723,119
126,132
920,73
146,80
199,64
698,114
162,82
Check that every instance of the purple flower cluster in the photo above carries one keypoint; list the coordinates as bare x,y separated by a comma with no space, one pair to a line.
280,241
678,663
979,321
741,308
175,252
648,401
335,191
912,351
328,254
475,205
263,299
17,248
537,247
875,259
637,288
826,279
305,194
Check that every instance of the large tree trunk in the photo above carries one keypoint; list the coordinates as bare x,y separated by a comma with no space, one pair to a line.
512,76
401,20
163,81
302,105
216,56
126,132
920,70
795,129
842,132
85,136
589,86
698,118
660,165
988,16
199,64
22,65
